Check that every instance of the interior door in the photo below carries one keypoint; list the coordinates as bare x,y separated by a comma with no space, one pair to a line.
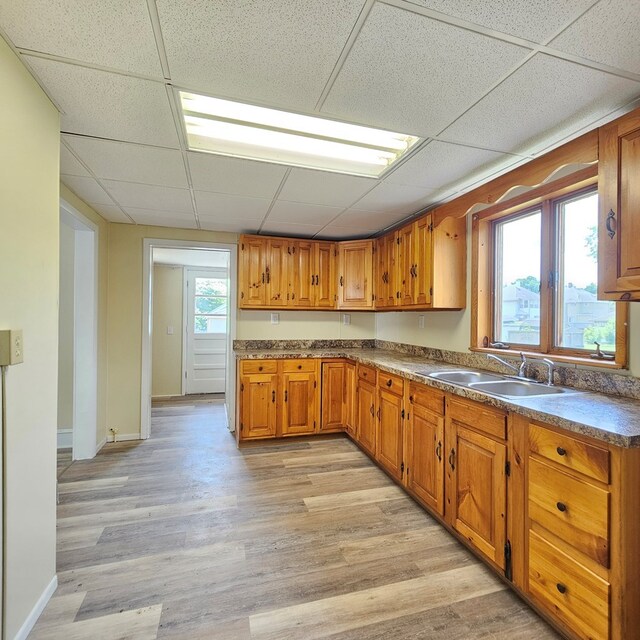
206,330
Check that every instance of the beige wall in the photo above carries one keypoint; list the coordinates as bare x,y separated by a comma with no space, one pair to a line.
29,220
103,242
65,328
124,317
166,357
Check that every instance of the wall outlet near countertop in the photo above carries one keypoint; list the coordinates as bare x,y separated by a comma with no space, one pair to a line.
11,347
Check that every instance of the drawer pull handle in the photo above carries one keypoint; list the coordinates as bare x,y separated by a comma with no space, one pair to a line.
259,368
561,506
561,587
389,382
561,451
299,366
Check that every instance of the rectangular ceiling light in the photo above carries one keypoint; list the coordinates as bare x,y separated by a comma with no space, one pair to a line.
242,130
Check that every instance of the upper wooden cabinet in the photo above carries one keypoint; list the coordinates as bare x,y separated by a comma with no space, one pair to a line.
355,279
421,266
619,217
252,276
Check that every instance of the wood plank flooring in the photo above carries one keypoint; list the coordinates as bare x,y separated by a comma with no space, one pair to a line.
184,536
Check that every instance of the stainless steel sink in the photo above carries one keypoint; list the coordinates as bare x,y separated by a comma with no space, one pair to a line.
516,388
465,377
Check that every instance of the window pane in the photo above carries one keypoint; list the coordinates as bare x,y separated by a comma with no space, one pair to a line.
210,324
213,305
211,287
517,279
580,318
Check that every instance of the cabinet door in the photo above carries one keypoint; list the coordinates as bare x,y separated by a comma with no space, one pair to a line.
619,217
333,401
258,411
425,457
299,403
367,416
252,276
389,438
356,275
422,260
278,271
304,275
325,275
476,490
406,265
351,422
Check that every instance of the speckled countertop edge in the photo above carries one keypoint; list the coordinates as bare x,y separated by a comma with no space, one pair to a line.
613,420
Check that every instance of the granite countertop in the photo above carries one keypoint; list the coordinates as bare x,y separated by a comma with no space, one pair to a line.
612,419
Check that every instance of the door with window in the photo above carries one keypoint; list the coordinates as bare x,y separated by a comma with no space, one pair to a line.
206,330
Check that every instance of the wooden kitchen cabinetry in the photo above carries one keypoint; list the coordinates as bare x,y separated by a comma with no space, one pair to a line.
355,279
338,397
424,457
390,431
476,476
314,275
366,401
385,271
277,398
619,209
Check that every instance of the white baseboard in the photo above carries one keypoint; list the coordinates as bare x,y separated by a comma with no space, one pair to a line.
65,438
101,444
32,618
122,437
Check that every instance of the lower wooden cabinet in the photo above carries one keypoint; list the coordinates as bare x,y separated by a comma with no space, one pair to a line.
258,409
338,397
350,380
300,401
424,454
366,412
390,431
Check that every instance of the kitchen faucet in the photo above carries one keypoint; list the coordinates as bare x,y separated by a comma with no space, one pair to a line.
520,369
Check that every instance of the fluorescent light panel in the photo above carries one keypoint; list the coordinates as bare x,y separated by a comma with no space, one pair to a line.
242,130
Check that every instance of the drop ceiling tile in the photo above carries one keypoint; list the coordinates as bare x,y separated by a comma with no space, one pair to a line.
136,212
412,74
394,198
131,162
225,208
108,105
87,189
115,34
358,218
324,187
294,230
544,101
110,212
440,163
302,213
240,226
231,175
535,21
69,164
607,33
333,232
144,196
162,219
281,52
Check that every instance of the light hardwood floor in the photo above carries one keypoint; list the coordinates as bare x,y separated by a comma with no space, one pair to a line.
184,536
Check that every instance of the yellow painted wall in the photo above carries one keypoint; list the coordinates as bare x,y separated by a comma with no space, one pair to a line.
103,243
166,356
29,223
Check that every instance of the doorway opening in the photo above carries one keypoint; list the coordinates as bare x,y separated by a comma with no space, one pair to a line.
188,323
77,338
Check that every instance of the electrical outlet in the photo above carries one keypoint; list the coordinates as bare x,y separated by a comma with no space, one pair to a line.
275,318
420,322
169,330
346,318
11,347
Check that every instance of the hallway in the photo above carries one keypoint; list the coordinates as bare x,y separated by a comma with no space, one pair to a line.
184,536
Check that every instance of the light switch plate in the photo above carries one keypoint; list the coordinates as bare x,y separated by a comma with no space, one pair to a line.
169,330
420,322
11,347
346,318
275,318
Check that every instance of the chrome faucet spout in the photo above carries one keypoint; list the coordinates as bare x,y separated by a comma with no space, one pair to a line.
551,367
519,370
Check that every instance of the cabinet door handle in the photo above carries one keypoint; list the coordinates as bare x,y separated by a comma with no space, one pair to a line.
341,281
389,382
268,275
263,277
378,413
561,506
286,395
273,396
561,587
313,279
317,279
561,451
439,451
452,459
611,218
371,409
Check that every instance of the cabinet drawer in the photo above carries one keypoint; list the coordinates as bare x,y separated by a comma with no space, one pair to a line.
259,366
302,365
479,416
367,373
393,383
568,590
422,396
573,454
574,510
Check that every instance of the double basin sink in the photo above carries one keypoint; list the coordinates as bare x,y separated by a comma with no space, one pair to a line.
497,385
